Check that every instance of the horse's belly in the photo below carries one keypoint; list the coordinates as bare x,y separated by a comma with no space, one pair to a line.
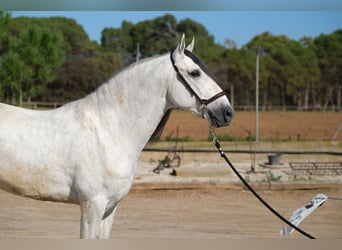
40,183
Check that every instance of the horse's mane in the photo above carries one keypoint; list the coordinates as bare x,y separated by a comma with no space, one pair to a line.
158,131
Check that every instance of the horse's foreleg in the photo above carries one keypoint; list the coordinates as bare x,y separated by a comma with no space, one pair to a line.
106,225
92,212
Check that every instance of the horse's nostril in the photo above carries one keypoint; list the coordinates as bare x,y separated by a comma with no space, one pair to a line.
228,115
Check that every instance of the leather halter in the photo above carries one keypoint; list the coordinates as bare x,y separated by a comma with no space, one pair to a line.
191,90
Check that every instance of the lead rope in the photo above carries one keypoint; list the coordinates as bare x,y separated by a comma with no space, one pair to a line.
205,114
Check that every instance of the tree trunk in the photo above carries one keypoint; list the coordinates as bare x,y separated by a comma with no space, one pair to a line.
326,103
21,98
264,97
339,90
306,98
232,94
14,102
313,96
283,95
299,103
247,103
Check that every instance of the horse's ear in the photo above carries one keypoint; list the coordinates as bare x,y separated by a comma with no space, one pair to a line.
181,45
179,51
191,45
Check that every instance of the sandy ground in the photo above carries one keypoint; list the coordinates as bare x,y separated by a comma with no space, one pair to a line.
204,201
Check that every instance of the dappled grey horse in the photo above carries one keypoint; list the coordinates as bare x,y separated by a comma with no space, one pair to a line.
86,151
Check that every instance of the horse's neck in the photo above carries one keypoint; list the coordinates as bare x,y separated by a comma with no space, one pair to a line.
134,101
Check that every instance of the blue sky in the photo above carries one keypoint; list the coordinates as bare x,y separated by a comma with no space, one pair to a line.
240,26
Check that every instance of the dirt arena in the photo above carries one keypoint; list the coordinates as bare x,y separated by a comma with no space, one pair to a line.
204,201
205,213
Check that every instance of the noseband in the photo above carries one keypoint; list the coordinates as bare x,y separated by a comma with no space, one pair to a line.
191,90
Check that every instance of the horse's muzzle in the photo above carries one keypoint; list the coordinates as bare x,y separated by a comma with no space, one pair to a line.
222,117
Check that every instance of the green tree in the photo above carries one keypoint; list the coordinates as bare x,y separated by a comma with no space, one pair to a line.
34,56
75,40
5,19
240,65
155,36
297,73
328,49
307,73
79,76
13,72
281,68
40,50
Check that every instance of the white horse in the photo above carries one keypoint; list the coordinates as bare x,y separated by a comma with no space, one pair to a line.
86,151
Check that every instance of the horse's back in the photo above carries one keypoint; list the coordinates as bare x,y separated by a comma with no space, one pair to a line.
26,126
7,111
10,113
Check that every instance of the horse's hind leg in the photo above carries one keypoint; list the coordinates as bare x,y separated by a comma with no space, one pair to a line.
92,212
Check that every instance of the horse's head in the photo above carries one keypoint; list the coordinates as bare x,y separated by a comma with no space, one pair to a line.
196,86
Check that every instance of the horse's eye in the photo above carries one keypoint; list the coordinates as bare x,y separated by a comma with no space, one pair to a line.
195,73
